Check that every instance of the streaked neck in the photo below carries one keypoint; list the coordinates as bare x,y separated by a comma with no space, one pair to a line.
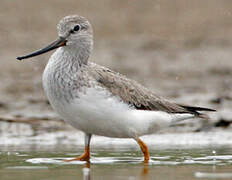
80,51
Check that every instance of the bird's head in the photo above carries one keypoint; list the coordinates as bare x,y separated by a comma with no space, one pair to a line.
75,32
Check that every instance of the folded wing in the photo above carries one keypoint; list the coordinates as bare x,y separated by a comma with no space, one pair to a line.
137,95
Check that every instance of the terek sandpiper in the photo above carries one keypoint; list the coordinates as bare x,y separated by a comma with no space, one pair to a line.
97,100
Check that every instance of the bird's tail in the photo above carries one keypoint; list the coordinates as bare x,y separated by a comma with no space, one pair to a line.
194,110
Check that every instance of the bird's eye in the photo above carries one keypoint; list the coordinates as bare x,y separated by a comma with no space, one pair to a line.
77,28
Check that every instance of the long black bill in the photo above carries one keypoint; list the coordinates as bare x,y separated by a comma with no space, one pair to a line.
58,43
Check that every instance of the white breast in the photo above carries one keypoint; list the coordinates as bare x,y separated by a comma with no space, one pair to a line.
95,110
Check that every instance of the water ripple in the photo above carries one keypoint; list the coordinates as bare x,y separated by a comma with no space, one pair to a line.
156,160
27,167
212,175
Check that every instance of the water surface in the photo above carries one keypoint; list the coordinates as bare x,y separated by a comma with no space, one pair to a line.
176,164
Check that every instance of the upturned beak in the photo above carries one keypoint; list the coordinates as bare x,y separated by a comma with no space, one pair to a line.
58,43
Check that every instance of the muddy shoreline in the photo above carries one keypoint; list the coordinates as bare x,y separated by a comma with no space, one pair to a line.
183,55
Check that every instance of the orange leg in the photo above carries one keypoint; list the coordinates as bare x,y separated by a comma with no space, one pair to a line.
86,155
144,149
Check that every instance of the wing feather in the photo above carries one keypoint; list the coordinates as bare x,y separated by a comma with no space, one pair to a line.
135,94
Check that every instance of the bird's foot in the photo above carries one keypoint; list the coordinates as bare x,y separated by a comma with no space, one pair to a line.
84,157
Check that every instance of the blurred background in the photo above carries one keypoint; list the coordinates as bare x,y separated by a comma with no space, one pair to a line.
181,49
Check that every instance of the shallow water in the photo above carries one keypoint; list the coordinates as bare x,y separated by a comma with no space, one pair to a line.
164,164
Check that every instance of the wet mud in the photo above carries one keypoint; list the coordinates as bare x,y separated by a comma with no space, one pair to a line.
186,58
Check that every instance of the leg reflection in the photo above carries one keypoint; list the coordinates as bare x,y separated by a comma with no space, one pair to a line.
86,171
145,171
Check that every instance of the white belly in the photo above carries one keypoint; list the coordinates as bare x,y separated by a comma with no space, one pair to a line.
98,112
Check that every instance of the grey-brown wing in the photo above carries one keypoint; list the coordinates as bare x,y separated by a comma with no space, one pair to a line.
132,92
